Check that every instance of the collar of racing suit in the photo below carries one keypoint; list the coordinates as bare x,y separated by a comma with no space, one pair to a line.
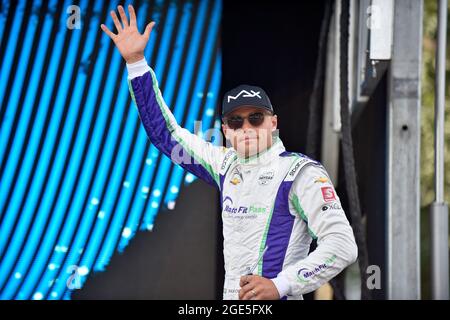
265,156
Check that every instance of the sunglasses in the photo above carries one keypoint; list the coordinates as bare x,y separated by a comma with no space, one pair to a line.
236,122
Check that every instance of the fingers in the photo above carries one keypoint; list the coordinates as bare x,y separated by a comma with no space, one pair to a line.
247,283
244,289
108,32
251,294
132,16
116,21
244,280
123,16
148,29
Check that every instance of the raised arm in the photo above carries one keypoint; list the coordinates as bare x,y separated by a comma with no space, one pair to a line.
184,148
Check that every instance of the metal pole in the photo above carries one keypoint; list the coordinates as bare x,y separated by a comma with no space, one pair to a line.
439,209
403,163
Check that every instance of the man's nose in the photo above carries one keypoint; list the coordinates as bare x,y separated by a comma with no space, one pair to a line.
246,125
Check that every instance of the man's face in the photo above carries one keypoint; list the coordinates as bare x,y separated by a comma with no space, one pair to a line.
249,139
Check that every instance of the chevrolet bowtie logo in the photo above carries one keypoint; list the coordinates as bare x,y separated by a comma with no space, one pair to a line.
245,94
321,179
235,181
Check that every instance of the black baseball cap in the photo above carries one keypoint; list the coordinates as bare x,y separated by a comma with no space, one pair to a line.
245,95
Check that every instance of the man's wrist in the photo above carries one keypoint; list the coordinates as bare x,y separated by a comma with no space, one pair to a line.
282,285
134,58
137,68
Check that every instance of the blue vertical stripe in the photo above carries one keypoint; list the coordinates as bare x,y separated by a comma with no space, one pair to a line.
7,66
279,233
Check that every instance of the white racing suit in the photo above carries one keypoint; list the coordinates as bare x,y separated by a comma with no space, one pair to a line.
277,200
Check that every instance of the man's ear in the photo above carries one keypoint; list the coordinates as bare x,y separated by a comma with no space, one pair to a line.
224,129
274,122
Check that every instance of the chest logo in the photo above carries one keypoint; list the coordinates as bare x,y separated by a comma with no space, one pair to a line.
265,178
236,177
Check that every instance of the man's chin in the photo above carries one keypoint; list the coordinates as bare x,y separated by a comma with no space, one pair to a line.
249,151
250,147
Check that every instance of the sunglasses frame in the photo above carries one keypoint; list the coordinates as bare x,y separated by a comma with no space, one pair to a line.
249,119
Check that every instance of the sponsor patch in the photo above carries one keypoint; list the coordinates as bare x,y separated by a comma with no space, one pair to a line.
321,180
236,178
235,181
332,206
328,194
297,165
304,275
265,178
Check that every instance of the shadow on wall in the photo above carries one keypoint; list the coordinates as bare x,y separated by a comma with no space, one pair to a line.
177,260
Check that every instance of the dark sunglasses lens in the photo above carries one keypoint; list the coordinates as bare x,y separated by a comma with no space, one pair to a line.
256,119
235,122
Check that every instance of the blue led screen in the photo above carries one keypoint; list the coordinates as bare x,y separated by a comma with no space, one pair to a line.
78,175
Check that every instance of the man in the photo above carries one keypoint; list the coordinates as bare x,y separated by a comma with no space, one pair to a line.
274,202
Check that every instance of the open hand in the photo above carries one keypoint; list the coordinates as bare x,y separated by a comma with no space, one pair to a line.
128,40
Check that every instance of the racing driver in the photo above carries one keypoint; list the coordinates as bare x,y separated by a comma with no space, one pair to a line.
274,202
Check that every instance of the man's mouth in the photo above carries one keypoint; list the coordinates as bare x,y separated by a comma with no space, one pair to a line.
248,139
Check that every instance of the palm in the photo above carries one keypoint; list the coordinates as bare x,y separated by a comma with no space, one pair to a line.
128,40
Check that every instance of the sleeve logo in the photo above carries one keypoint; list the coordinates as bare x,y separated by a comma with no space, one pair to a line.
328,194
